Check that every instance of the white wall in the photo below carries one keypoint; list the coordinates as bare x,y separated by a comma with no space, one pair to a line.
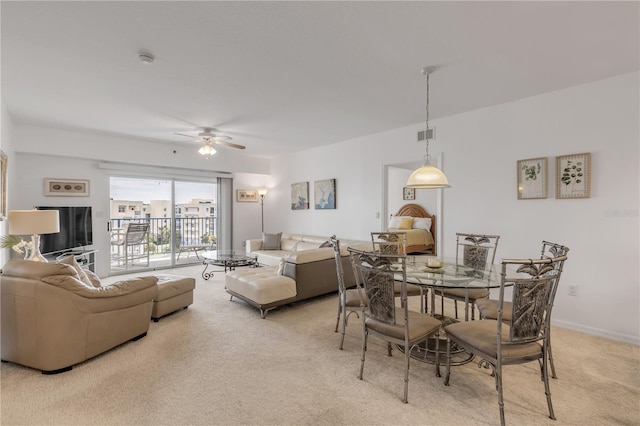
481,149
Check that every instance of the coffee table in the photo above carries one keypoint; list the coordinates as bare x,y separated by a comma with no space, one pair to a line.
230,259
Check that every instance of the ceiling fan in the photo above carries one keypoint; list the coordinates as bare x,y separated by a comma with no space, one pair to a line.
210,138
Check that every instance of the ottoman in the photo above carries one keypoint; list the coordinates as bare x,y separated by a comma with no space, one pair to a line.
174,293
263,288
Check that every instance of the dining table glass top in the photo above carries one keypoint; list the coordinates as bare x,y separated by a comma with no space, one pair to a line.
452,274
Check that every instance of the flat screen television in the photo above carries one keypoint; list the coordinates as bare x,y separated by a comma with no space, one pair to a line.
76,230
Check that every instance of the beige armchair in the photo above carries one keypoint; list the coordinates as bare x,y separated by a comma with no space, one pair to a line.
55,315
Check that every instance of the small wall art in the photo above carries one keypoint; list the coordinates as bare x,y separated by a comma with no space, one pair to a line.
573,176
66,188
247,195
532,178
408,193
300,196
325,194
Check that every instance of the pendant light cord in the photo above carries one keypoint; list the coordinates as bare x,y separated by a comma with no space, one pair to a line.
427,157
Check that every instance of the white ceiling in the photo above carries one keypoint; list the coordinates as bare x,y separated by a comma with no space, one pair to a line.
280,76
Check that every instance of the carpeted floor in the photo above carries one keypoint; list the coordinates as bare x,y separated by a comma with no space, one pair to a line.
219,363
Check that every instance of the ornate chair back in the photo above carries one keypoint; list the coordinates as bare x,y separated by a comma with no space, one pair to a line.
389,242
531,301
476,250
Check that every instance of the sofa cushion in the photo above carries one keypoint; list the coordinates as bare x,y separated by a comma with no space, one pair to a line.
308,256
82,276
271,241
305,245
287,244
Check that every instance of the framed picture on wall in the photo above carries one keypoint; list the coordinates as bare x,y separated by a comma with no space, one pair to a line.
532,178
408,193
300,196
247,195
573,176
325,194
66,187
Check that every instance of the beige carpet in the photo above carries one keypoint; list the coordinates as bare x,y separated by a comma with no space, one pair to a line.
219,363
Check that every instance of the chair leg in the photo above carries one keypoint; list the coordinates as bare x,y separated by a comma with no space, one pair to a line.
500,398
345,318
339,312
547,389
455,304
553,368
364,349
407,355
437,335
448,370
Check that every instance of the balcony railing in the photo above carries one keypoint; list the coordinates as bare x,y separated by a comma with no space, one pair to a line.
189,232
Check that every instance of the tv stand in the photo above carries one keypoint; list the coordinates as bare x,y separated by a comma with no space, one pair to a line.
85,258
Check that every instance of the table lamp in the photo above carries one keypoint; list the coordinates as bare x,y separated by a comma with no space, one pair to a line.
34,222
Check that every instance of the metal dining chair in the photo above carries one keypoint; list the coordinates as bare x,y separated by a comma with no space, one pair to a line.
524,338
396,243
488,308
350,301
477,251
377,274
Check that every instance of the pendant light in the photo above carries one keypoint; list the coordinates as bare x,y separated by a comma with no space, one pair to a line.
427,176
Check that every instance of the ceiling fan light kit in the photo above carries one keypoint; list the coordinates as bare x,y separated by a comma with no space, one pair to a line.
207,149
210,138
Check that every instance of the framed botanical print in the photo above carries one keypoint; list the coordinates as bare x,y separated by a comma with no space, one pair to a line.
408,193
573,176
532,178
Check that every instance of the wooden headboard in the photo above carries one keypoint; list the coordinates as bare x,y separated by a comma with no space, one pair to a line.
415,210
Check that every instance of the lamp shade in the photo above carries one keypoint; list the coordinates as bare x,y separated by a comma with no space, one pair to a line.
32,222
427,177
262,191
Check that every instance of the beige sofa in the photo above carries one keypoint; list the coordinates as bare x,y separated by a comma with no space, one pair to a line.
308,270
53,316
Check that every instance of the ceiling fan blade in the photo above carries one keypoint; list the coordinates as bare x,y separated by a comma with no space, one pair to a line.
229,144
182,134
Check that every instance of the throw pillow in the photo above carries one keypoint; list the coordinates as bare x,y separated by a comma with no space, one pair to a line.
405,223
281,267
395,221
422,223
271,241
82,276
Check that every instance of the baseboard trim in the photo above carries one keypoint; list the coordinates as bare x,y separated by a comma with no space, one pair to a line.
634,340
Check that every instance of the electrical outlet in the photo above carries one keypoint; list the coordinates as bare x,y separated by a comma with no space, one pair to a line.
574,290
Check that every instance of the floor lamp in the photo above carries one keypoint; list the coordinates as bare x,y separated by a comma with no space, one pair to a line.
34,222
262,193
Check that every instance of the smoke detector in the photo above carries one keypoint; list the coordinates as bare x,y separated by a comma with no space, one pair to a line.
146,58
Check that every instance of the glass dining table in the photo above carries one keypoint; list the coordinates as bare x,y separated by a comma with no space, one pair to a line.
449,275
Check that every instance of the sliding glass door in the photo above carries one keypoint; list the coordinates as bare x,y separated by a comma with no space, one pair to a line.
160,223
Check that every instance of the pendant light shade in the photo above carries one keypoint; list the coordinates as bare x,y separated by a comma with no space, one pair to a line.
427,176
